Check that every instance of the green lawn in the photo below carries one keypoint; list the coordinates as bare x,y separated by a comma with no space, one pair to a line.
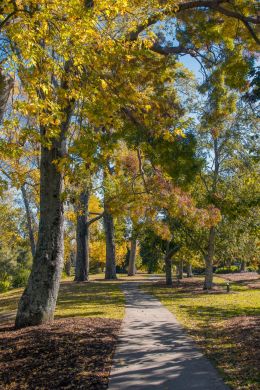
225,325
94,299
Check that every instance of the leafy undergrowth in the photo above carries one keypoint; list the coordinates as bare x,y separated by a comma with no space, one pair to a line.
74,352
226,326
69,354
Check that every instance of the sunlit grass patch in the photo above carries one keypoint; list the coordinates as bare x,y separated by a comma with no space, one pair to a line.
226,326
93,299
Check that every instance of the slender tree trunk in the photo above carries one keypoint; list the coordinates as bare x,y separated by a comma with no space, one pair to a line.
132,258
189,271
168,270
38,301
110,273
29,219
6,85
82,257
243,266
208,282
180,270
168,265
67,266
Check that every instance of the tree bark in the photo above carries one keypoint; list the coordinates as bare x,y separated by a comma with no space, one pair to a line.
29,219
208,282
168,265
82,257
110,273
243,266
132,258
168,270
189,271
67,266
38,301
180,270
6,85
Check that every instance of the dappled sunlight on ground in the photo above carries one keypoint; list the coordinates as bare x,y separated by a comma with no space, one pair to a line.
226,325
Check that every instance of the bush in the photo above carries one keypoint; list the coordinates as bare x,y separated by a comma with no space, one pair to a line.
251,268
227,270
5,282
20,277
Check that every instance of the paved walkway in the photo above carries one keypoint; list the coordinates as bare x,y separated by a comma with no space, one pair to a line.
155,353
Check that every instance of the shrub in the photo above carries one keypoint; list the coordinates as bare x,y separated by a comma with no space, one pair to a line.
5,282
251,268
227,270
20,277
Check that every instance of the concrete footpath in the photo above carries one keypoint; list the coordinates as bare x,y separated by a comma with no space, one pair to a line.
155,353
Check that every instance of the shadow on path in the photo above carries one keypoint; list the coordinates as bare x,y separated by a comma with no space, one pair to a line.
154,351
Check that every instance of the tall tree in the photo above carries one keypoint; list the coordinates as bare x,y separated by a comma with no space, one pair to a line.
56,68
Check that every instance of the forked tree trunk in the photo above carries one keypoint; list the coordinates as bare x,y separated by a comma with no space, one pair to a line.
38,301
189,271
208,282
110,273
82,257
29,219
132,258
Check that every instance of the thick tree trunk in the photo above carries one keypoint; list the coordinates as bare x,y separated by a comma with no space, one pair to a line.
189,271
208,281
82,257
29,219
131,266
38,301
110,273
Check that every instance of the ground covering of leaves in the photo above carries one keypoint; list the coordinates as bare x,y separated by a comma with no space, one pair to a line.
75,352
225,325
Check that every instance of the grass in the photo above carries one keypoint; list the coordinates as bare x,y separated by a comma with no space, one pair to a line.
93,299
223,324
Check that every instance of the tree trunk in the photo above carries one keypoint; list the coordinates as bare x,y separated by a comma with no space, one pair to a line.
110,273
189,271
131,266
6,85
208,281
243,266
67,266
168,265
29,219
38,301
82,257
180,270
168,270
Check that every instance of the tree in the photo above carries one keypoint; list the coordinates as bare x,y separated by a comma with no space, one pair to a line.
56,70
6,85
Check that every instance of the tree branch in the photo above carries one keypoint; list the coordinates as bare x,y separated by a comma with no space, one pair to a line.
95,219
211,4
